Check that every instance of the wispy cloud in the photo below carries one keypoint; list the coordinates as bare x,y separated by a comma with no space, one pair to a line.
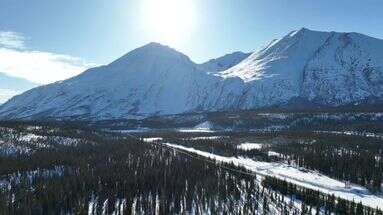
37,66
6,94
13,40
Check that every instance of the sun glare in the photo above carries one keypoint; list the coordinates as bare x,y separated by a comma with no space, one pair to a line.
168,21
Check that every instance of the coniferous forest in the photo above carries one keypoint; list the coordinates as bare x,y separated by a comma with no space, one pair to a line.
59,168
356,159
76,172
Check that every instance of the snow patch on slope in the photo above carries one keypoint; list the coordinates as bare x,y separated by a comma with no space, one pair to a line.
223,63
204,126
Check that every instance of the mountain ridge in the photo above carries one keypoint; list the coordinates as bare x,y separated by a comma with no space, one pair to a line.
323,68
223,63
152,79
11,86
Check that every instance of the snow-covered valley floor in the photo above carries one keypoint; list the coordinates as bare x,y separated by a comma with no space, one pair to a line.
304,178
249,146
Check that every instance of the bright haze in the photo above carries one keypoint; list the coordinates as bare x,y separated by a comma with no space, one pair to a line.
63,38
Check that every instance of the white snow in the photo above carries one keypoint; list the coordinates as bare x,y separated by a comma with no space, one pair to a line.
223,63
352,133
275,154
153,79
204,126
152,139
205,138
187,130
270,128
137,130
30,136
275,115
308,179
326,67
27,143
250,146
14,178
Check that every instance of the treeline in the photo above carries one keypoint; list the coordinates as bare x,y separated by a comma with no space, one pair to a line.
315,201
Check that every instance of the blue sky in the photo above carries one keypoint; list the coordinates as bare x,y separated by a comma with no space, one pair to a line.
92,32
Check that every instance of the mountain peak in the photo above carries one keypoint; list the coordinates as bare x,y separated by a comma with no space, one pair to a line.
158,48
151,52
301,31
155,45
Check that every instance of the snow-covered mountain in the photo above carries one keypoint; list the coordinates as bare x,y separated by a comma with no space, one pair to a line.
326,68
153,79
11,86
223,63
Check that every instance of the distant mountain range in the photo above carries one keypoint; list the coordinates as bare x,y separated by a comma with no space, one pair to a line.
303,68
11,86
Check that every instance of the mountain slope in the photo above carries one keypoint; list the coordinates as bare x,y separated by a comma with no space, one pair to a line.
11,86
153,79
304,68
347,68
223,63
327,68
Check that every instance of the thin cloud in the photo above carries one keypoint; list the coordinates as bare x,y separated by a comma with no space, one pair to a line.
36,66
6,94
13,40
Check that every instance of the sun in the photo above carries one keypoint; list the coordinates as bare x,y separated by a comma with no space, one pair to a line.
168,21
